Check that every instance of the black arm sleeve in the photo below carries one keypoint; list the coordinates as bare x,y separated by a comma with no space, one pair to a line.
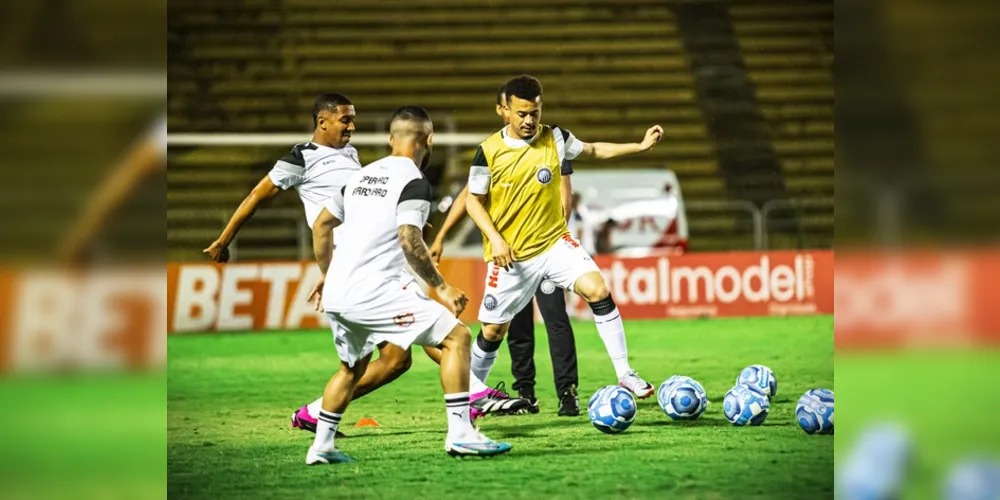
480,159
566,168
295,156
417,189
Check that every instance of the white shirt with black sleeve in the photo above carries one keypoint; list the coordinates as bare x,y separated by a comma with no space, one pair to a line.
376,201
316,172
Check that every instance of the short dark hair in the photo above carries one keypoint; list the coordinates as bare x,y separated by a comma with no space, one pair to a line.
415,114
501,95
411,113
328,102
525,87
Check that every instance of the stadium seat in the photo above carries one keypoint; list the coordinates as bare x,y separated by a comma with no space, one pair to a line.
256,66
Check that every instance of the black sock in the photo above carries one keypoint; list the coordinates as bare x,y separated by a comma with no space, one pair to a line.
487,345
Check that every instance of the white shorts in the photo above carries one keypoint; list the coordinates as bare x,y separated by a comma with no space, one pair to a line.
412,318
507,292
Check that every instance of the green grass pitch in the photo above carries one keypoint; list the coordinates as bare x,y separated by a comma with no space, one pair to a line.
230,397
83,436
945,398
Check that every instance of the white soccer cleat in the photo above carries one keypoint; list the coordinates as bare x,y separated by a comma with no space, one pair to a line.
314,457
474,444
636,385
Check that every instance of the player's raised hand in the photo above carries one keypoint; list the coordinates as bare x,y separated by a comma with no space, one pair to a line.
436,248
653,136
316,295
217,252
503,256
453,298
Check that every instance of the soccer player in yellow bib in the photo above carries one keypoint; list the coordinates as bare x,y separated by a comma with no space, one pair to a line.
515,200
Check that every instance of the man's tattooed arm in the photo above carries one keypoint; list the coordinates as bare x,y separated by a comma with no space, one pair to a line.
412,240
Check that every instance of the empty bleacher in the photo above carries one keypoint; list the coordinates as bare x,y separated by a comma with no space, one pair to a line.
788,52
609,70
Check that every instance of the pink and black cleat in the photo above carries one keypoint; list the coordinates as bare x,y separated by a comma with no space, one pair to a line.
495,401
301,419
474,413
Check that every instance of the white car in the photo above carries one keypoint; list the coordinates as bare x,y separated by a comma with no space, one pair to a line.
630,212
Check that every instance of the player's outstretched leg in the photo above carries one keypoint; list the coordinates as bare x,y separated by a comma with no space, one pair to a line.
337,395
462,439
592,288
485,347
484,399
392,362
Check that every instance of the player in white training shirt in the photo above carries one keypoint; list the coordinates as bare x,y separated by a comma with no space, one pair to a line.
315,169
369,297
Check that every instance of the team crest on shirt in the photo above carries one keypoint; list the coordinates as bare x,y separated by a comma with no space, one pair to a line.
490,302
544,175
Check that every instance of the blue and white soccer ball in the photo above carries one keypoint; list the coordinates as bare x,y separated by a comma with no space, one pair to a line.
759,378
682,398
674,379
744,406
973,479
877,463
611,409
594,397
671,381
814,412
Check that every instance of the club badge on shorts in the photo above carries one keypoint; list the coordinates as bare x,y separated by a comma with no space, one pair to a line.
544,175
490,302
548,287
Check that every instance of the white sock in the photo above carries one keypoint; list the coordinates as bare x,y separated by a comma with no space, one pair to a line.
457,406
315,407
612,332
482,362
475,385
326,429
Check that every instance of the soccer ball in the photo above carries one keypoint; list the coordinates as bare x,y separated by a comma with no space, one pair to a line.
682,398
815,411
877,462
674,379
759,378
671,381
974,478
611,409
743,406
596,395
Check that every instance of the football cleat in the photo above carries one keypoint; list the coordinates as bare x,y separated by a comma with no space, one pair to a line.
636,385
528,394
569,403
326,457
496,401
301,419
475,444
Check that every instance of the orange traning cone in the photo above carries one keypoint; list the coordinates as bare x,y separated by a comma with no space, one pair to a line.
367,422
